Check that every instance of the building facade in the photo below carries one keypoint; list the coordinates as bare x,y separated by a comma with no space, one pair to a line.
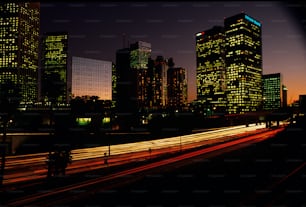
272,91
132,69
177,88
156,83
302,103
91,77
210,77
54,68
285,96
19,47
243,59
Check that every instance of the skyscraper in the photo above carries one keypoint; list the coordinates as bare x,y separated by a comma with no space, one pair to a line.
91,77
177,88
210,50
243,59
284,99
54,67
157,83
19,39
131,69
272,91
139,55
114,86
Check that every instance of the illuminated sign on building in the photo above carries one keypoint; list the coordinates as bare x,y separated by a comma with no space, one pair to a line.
252,20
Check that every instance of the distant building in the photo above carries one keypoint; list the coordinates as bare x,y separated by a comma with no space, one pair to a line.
139,55
177,88
229,67
302,103
131,68
156,84
114,86
210,51
285,97
54,67
243,59
91,77
272,91
19,38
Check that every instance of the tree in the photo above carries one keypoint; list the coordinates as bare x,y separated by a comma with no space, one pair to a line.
58,161
10,97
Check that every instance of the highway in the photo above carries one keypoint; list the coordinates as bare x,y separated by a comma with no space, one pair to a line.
32,166
85,188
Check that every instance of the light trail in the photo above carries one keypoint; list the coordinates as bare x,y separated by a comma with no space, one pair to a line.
94,152
47,199
31,165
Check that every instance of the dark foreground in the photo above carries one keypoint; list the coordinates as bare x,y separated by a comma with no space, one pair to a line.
270,173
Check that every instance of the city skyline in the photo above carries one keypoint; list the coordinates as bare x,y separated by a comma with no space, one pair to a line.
97,30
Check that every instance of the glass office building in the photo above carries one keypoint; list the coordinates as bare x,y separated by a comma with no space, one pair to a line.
91,77
243,58
272,91
132,70
210,77
19,39
139,55
54,67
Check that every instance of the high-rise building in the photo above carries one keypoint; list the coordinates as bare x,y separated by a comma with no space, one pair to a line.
126,82
91,77
131,68
210,77
177,88
139,55
156,81
302,103
19,47
54,67
114,86
272,91
243,59
285,96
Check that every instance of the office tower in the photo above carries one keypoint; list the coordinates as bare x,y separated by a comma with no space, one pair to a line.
19,39
131,68
54,67
272,91
177,88
302,103
91,77
285,96
210,77
139,54
243,59
160,82
156,83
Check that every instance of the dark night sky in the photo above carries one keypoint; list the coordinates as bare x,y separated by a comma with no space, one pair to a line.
96,30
